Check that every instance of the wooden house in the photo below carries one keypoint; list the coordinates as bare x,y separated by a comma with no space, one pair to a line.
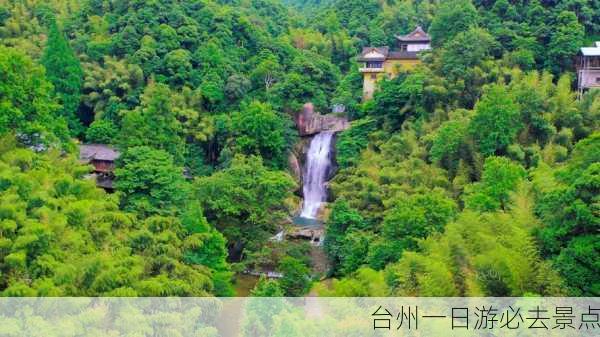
588,68
102,158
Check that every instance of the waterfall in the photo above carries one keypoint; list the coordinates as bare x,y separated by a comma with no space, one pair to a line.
318,162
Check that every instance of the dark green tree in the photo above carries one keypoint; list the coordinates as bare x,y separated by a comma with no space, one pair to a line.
416,217
259,130
465,51
154,123
397,100
449,140
311,78
565,41
150,181
102,131
496,122
207,247
569,211
451,18
342,220
500,178
64,70
246,200
350,143
296,279
28,108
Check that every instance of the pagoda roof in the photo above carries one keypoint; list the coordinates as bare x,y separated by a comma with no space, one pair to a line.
89,152
374,54
417,35
380,54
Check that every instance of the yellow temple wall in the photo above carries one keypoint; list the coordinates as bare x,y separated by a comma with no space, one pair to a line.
391,69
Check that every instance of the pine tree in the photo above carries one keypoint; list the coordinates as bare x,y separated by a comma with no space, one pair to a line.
64,71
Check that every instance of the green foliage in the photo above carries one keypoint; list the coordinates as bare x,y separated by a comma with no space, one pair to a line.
354,251
351,142
590,109
393,167
448,142
426,195
500,178
62,236
206,246
532,95
110,86
464,52
246,200
490,254
267,288
4,14
27,108
365,282
151,181
417,217
103,131
496,121
570,235
342,220
565,41
258,130
296,279
397,100
64,71
452,18
154,123
311,78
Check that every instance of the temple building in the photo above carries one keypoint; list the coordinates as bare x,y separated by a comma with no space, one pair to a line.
383,62
588,68
102,159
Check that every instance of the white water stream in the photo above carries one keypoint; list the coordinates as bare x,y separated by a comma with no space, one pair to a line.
318,162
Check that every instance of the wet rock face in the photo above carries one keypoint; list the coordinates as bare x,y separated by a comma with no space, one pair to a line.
295,169
310,123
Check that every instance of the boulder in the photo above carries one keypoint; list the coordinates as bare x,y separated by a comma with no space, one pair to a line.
310,122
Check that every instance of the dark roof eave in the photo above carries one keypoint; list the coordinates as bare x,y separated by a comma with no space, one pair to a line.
404,58
381,59
403,39
403,55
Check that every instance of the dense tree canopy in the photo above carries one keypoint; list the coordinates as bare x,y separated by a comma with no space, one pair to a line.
28,108
474,174
246,200
64,71
62,236
151,181
258,130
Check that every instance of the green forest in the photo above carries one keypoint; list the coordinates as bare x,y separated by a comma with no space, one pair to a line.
475,174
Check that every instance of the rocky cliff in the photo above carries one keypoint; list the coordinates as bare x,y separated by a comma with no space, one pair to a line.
310,122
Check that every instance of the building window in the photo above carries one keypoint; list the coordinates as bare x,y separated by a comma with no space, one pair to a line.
374,65
598,80
373,76
403,47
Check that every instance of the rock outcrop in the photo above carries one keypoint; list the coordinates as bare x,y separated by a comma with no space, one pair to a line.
295,168
309,122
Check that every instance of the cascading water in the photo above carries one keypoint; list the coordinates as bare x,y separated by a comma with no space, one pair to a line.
318,162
